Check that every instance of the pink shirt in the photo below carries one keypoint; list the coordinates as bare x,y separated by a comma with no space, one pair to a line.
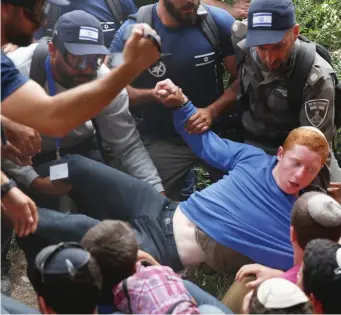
292,273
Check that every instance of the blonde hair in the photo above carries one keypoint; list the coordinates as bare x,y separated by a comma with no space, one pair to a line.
310,137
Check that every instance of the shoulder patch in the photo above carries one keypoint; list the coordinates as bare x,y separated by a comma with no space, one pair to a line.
239,29
314,76
316,111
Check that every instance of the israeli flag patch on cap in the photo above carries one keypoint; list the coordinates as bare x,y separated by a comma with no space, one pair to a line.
88,33
262,20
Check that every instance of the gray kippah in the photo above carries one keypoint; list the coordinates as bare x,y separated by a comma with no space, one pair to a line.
280,293
322,208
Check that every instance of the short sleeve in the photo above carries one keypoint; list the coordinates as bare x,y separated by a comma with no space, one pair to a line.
11,78
224,21
128,8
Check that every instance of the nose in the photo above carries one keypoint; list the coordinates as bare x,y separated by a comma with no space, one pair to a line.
299,173
269,57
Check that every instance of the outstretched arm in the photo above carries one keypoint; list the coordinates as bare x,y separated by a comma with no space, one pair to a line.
57,115
218,152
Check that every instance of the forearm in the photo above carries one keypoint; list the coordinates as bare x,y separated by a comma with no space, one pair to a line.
21,174
56,116
140,96
207,146
226,101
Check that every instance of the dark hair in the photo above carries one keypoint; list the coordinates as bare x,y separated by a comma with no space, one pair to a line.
319,274
308,229
256,307
113,244
66,295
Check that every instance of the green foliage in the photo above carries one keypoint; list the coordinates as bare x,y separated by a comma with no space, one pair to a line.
320,21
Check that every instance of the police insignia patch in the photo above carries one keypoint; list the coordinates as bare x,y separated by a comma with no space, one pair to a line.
316,111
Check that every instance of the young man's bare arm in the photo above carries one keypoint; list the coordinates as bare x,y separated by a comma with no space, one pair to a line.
57,115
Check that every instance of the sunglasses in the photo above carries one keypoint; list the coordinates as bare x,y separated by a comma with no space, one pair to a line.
81,63
70,267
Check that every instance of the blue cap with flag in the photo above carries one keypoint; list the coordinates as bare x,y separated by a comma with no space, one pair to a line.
80,34
268,21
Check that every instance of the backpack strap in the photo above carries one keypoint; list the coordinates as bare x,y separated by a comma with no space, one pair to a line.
303,63
211,31
51,19
37,70
126,293
115,8
144,15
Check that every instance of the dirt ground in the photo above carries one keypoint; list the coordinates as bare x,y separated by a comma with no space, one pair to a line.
21,286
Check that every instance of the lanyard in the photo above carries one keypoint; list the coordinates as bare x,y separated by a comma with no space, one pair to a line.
52,90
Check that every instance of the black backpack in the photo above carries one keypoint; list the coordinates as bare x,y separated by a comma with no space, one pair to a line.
114,6
206,24
303,64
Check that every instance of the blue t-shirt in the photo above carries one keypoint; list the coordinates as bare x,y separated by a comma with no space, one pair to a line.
189,62
245,210
100,10
11,78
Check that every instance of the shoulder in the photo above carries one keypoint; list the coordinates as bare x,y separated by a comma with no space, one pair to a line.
11,78
22,58
128,7
223,19
320,71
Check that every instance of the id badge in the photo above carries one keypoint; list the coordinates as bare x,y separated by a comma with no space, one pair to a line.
59,172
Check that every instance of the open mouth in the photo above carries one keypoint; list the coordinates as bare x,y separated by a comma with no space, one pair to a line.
293,184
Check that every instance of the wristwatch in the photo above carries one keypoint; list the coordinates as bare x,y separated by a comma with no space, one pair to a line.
6,187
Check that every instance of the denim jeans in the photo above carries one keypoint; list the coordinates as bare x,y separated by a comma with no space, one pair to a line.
107,193
11,306
205,299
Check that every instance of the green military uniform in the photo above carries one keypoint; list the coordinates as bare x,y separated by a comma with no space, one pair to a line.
268,117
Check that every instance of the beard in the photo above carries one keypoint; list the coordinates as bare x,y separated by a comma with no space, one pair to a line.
68,81
176,13
19,39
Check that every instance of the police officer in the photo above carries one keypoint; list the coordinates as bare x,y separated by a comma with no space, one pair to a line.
267,56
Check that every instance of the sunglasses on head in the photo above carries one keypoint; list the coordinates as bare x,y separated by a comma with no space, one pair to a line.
83,62
70,267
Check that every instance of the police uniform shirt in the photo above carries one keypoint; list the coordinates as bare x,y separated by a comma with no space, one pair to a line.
270,113
189,62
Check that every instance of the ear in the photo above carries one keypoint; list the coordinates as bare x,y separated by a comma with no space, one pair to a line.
293,235
280,153
317,305
52,50
296,31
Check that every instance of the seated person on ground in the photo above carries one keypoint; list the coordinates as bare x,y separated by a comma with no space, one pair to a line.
67,280
320,275
242,218
151,288
279,296
314,215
